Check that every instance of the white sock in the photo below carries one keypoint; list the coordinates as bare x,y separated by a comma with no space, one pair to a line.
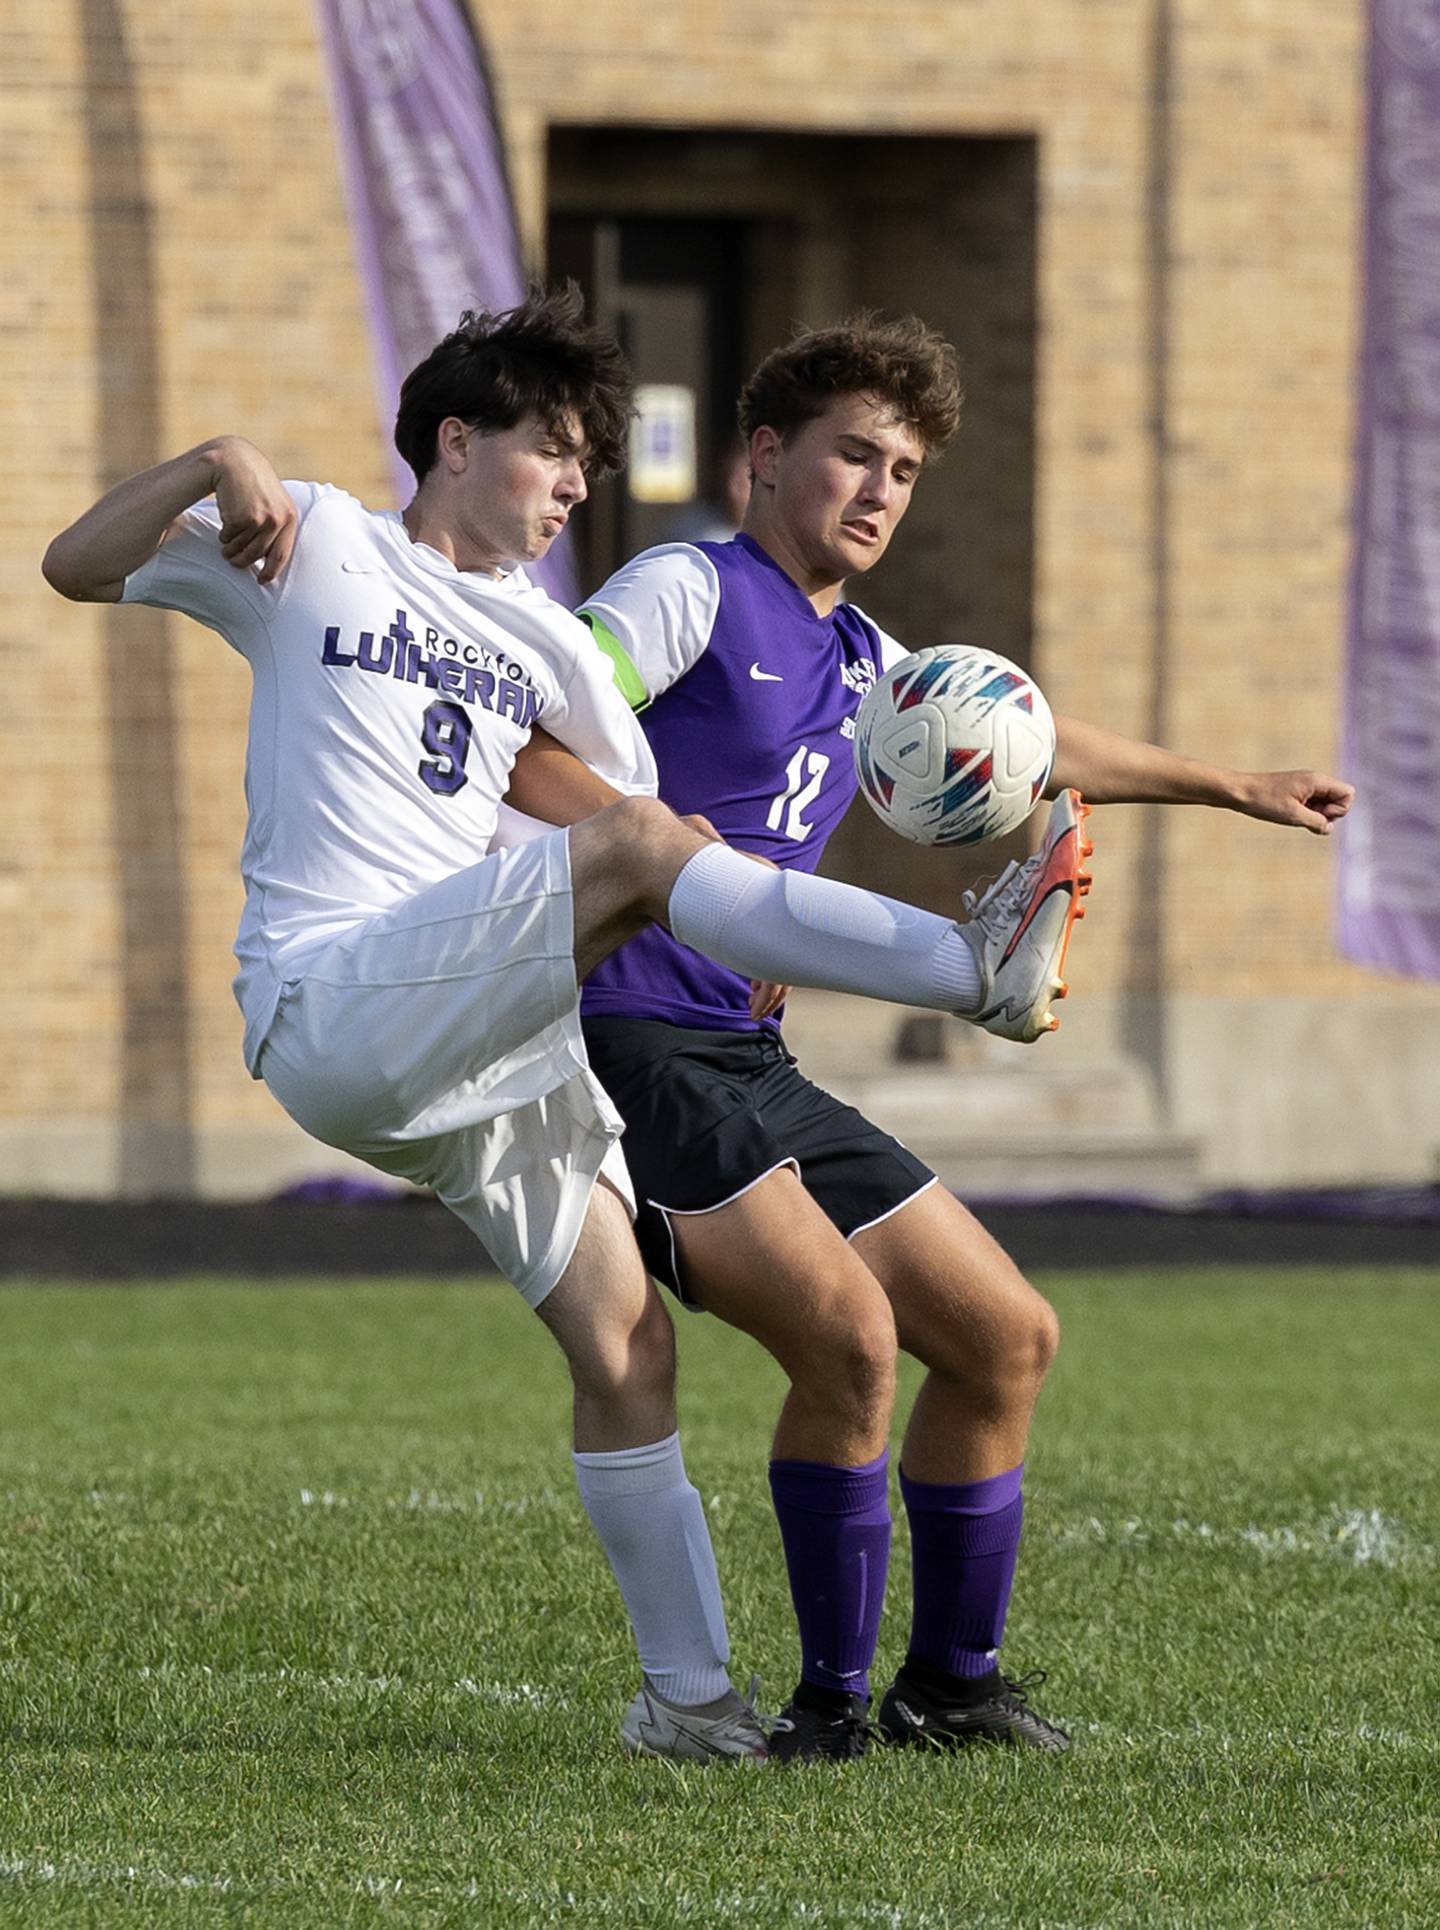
652,1526
793,929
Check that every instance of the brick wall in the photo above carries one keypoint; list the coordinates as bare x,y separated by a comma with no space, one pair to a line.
184,160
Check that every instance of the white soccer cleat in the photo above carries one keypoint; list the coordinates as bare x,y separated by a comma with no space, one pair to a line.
654,1727
1020,929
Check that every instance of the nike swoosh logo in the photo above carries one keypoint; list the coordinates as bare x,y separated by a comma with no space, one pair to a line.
657,1733
1058,875
764,676
357,569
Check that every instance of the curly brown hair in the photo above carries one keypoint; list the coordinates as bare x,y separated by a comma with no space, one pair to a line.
541,359
898,359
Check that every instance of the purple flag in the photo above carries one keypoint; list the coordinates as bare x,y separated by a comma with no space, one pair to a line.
425,178
1390,852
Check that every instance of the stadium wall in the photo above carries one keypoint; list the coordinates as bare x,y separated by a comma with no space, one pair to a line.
176,261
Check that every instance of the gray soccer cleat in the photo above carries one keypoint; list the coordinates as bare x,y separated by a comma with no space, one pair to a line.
1019,930
655,1727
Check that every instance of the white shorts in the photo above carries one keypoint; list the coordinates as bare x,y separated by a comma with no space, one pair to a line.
441,1043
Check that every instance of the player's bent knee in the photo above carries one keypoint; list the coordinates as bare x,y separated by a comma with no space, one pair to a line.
1028,1338
852,1361
1046,1337
634,831
642,845
1002,1358
631,1357
652,1343
1026,1344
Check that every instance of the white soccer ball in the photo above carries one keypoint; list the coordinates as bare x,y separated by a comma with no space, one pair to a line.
954,745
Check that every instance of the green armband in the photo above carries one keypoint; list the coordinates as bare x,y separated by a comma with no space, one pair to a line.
632,684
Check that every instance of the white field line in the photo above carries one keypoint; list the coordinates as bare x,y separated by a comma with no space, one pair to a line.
73,1870
507,1694
744,1906
413,1501
681,1907
97,1497
1359,1536
433,1501
734,1906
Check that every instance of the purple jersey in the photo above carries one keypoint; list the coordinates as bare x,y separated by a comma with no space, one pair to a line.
751,718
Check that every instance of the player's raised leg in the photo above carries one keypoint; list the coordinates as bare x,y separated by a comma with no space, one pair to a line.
620,1348
988,1338
773,1265
635,862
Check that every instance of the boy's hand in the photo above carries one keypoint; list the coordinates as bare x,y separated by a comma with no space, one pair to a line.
257,514
1307,799
766,998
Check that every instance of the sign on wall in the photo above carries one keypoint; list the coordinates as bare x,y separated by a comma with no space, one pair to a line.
662,444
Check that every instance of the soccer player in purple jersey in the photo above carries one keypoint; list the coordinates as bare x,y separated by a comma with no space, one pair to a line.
763,1199
409,990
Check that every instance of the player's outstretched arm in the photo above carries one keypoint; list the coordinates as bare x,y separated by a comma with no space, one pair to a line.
90,561
552,784
1107,768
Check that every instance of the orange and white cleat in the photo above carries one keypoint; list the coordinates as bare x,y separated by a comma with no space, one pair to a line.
1019,930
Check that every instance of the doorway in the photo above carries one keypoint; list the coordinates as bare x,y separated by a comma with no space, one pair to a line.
704,248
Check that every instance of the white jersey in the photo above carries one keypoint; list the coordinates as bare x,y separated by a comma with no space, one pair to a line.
391,695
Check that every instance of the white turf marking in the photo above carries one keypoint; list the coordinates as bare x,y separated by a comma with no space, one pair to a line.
682,1908
413,1501
1362,1536
507,1694
431,1501
745,1906
70,1869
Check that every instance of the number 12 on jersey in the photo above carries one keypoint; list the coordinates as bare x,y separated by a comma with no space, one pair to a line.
804,775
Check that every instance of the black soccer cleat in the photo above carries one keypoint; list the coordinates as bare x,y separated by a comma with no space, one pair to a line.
996,1710
821,1727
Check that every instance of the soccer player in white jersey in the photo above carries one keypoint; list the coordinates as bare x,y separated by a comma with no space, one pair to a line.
762,1198
410,993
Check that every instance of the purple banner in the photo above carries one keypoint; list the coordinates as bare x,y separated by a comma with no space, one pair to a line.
430,206
1389,913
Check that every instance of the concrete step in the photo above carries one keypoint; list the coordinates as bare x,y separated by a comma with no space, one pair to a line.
989,1116
953,1104
1153,1165
951,1081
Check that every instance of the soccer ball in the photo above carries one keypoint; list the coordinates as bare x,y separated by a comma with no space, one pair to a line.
954,745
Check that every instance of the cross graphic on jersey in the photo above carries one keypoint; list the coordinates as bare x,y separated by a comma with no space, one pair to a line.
395,653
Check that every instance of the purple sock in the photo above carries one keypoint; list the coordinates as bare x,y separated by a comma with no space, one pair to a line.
835,1525
964,1540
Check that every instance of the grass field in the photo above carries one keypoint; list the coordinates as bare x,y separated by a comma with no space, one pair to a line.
301,1624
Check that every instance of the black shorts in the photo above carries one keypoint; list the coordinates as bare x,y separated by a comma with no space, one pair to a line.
707,1114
